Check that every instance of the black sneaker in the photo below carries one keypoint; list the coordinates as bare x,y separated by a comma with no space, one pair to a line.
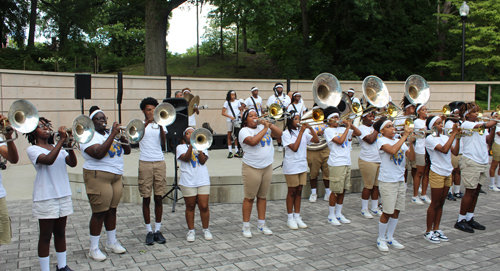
464,226
150,239
230,155
159,238
451,197
237,154
475,225
458,195
240,153
66,268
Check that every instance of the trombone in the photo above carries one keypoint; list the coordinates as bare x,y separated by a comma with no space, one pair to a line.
22,117
201,139
82,131
408,122
274,113
446,110
134,132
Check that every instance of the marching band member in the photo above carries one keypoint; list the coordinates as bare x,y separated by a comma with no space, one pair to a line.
283,100
494,185
195,184
391,180
102,174
369,164
454,192
192,118
419,172
339,141
473,166
439,149
152,170
408,110
297,104
231,110
257,170
178,94
350,93
295,166
254,101
51,193
318,160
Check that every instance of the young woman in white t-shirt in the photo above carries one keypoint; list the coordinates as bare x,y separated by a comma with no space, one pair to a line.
257,169
454,191
420,172
195,184
231,102
297,104
51,194
392,187
295,166
495,149
439,149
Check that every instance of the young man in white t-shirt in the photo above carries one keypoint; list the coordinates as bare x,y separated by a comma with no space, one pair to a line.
152,170
283,100
232,111
254,101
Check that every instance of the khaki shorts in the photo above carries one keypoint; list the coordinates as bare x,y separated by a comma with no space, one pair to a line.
194,191
340,179
472,173
5,225
152,175
229,126
52,208
393,196
317,160
419,160
495,148
410,164
104,189
280,124
294,180
256,182
369,173
454,160
438,181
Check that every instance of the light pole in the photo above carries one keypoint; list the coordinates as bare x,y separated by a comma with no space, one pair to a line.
464,11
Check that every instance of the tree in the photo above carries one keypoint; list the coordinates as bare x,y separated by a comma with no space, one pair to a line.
33,15
13,19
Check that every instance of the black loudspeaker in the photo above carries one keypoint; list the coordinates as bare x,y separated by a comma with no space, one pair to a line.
119,95
288,83
180,124
82,86
169,86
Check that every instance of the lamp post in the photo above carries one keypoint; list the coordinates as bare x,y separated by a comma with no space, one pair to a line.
464,11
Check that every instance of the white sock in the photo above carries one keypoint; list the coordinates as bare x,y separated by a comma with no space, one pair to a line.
61,259
450,190
364,204
191,230
338,210
148,228
230,148
157,226
498,180
382,228
246,224
313,190
456,188
296,215
391,227
492,181
44,263
374,204
236,148
111,236
261,222
290,216
331,209
327,191
461,217
94,241
469,216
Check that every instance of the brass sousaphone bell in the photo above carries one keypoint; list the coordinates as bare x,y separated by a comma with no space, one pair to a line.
417,90
22,117
201,139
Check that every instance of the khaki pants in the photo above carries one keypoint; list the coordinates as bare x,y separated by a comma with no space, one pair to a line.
256,182
104,189
340,179
5,225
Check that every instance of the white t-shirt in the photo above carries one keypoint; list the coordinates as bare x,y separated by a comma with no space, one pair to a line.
340,155
261,155
316,128
150,145
258,103
51,181
3,193
301,108
392,167
369,152
193,174
192,120
112,162
295,162
449,124
355,100
420,142
440,162
475,146
236,108
283,100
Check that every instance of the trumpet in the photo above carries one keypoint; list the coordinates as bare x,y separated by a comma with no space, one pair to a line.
201,139
22,117
408,122
480,130
133,132
274,113
392,111
82,131
446,110
413,134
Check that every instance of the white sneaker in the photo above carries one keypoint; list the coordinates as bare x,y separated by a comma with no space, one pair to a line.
376,212
207,234
417,200
440,235
343,220
191,236
429,236
333,220
494,188
300,223
366,214
327,197
382,245
426,199
280,148
313,197
246,232
395,244
97,255
292,224
115,248
264,229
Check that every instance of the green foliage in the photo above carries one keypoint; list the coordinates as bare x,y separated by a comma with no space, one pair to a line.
15,17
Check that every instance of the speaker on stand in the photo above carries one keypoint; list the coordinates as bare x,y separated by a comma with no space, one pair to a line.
83,86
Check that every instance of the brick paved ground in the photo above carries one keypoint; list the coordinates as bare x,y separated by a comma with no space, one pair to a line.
321,246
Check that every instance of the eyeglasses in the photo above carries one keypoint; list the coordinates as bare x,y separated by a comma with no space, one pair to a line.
46,125
101,118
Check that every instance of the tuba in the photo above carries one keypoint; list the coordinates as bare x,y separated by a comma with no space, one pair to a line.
417,90
82,131
375,91
22,117
201,139
326,90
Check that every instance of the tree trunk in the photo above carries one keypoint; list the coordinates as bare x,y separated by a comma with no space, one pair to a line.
237,47
221,37
197,37
2,21
155,62
31,37
305,23
244,33
441,50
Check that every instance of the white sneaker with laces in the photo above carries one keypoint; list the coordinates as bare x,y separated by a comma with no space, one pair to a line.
343,220
300,223
333,220
440,235
366,214
292,224
417,200
264,229
494,188
115,248
191,236
376,212
280,148
313,197
382,245
395,244
246,232
425,199
429,236
97,255
327,197
207,234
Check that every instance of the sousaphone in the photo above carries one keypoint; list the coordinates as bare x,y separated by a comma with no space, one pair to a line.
417,90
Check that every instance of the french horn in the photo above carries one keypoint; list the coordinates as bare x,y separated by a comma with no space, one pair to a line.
82,131
201,139
22,117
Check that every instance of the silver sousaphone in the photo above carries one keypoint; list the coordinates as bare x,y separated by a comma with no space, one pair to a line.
22,117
